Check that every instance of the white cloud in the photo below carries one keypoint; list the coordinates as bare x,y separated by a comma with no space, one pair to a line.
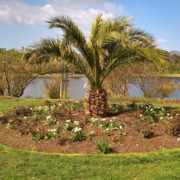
161,41
81,11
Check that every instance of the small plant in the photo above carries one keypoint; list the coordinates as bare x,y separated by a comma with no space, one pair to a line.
173,127
49,121
43,134
132,106
148,131
148,134
149,110
4,119
23,111
43,110
108,125
103,147
68,125
116,108
91,134
94,121
9,126
51,134
136,127
142,119
62,140
78,135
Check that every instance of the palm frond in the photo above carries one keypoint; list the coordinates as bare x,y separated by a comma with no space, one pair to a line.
96,27
43,50
137,35
73,35
72,57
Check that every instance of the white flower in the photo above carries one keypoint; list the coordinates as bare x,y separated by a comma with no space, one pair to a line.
171,117
52,107
93,120
52,130
167,114
103,119
161,118
77,129
76,123
120,127
141,115
48,117
25,117
177,114
68,121
114,118
31,108
39,107
178,139
162,109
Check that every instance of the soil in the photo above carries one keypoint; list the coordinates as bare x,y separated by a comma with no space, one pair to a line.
133,142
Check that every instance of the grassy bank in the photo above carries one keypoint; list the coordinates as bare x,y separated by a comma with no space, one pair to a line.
7,103
17,164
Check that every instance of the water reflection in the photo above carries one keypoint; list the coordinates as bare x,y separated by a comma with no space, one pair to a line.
77,91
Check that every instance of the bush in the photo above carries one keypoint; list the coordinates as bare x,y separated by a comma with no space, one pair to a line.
52,90
148,131
23,111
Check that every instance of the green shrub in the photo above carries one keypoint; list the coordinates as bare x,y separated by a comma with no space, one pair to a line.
103,146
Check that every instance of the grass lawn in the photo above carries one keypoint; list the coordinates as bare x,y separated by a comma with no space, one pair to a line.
20,164
8,103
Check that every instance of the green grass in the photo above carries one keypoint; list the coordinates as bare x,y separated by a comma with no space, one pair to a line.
7,103
18,164
154,101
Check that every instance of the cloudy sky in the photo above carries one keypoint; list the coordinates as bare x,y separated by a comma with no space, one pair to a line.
22,22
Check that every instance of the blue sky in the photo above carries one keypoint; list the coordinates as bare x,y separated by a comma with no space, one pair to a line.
22,21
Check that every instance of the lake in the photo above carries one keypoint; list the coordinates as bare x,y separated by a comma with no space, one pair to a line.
77,91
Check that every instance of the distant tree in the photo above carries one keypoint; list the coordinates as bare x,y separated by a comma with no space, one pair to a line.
16,74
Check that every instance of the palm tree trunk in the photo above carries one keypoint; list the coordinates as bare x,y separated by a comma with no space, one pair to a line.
95,103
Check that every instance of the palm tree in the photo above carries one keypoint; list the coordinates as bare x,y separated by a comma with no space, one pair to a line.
112,42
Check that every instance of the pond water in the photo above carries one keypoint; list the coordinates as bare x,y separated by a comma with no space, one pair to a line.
77,90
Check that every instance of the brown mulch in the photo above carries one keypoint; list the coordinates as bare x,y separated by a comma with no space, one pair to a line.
133,142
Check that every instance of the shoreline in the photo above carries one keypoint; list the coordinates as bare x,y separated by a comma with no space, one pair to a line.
71,75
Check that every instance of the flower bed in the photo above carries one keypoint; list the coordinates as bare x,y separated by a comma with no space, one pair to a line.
63,127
